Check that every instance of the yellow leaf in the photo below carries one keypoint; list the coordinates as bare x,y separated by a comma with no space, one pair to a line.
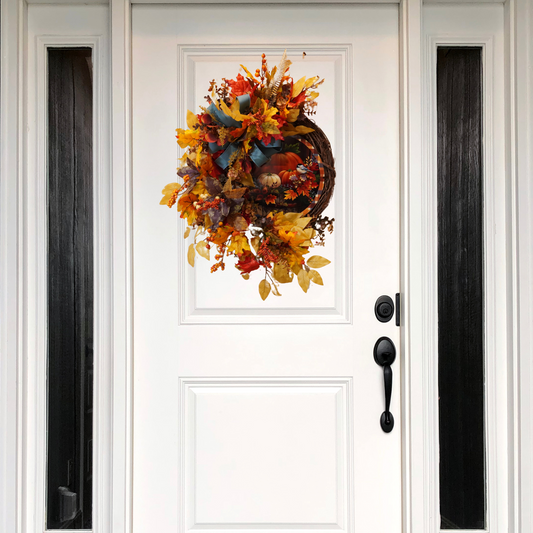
188,137
310,82
239,243
248,73
312,96
245,275
233,111
302,222
315,277
292,217
275,291
303,129
317,261
192,119
190,255
293,114
187,233
303,280
282,274
170,188
246,179
202,250
264,289
296,268
297,87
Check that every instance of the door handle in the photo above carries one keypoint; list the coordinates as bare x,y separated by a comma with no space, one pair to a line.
384,355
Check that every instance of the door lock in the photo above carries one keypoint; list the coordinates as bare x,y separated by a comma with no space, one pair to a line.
384,355
384,308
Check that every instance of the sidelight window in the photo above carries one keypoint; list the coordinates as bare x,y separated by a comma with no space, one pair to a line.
70,289
460,283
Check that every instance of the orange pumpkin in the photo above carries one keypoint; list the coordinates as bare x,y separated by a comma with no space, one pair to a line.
285,176
279,162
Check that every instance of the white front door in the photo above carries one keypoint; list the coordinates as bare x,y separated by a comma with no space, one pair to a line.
252,415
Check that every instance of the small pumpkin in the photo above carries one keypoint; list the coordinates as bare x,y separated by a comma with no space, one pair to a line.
286,175
282,161
268,179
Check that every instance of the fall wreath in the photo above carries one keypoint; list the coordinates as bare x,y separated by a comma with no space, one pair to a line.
256,177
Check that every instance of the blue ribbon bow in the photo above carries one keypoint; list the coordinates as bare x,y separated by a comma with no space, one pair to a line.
260,153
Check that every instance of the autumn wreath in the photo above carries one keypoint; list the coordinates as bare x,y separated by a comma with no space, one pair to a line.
257,175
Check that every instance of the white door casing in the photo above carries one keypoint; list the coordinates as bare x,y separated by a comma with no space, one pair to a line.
20,484
252,415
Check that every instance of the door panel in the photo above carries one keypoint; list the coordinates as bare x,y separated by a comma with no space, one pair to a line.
254,415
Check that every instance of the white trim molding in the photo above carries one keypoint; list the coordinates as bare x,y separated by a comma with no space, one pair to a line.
122,371
519,41
12,34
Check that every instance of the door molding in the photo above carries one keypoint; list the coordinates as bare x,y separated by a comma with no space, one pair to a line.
419,421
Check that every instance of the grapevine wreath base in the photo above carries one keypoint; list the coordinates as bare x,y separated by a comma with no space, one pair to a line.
256,176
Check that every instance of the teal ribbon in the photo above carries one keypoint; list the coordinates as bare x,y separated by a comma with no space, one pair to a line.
260,153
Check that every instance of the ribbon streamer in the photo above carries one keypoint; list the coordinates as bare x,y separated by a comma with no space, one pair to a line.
260,153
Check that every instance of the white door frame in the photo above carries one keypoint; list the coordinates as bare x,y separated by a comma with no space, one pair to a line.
420,422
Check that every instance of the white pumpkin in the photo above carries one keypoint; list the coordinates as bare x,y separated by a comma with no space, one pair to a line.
267,179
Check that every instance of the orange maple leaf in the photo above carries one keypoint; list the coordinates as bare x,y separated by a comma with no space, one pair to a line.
290,195
186,207
271,199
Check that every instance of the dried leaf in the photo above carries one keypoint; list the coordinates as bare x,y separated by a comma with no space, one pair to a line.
239,244
297,87
247,180
227,187
200,230
317,261
190,255
303,129
236,193
264,289
245,275
293,114
302,222
310,82
275,291
255,243
187,233
238,222
303,280
281,274
192,119
202,250
315,277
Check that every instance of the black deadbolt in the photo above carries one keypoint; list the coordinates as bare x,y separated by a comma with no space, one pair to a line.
384,308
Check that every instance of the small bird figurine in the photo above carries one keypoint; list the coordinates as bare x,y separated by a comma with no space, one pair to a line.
302,169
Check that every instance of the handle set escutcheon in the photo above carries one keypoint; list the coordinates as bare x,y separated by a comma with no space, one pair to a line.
384,355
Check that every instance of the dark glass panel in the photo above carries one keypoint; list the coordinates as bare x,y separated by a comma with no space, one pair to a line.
70,289
460,276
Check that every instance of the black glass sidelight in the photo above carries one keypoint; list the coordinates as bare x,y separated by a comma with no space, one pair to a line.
460,282
70,289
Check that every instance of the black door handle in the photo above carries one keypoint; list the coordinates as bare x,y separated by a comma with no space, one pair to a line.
384,355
